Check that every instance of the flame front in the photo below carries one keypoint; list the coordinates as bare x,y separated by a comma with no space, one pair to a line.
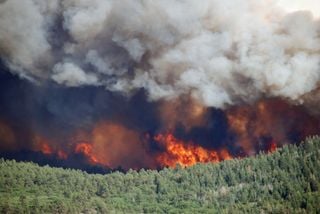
186,153
86,150
245,130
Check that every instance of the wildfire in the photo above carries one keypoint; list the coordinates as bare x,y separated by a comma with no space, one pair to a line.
41,144
247,129
86,150
184,111
269,124
186,153
44,146
253,123
272,147
46,149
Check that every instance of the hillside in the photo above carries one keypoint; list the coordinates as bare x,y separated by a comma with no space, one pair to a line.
284,181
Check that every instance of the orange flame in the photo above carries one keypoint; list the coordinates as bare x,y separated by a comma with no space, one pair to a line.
41,144
186,154
46,149
225,155
264,125
272,147
114,145
86,149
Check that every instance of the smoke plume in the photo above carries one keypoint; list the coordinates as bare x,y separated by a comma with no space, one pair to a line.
219,52
149,84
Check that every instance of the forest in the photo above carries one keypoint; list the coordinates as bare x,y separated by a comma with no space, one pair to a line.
285,181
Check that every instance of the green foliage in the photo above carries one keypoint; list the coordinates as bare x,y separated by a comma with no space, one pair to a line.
286,181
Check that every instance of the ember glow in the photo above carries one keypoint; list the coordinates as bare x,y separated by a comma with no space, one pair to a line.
270,124
7,136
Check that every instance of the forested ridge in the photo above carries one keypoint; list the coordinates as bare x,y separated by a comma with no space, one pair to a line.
286,181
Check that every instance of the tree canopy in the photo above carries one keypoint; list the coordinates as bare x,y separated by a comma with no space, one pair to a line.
285,181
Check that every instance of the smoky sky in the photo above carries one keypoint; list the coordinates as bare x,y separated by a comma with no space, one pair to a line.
55,110
51,108
219,53
197,69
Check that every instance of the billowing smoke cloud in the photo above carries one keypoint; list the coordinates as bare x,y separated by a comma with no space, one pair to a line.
218,52
148,84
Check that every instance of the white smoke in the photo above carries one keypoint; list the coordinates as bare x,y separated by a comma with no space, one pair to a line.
219,52
71,75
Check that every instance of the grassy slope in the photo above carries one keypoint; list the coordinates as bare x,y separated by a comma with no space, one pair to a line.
285,181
